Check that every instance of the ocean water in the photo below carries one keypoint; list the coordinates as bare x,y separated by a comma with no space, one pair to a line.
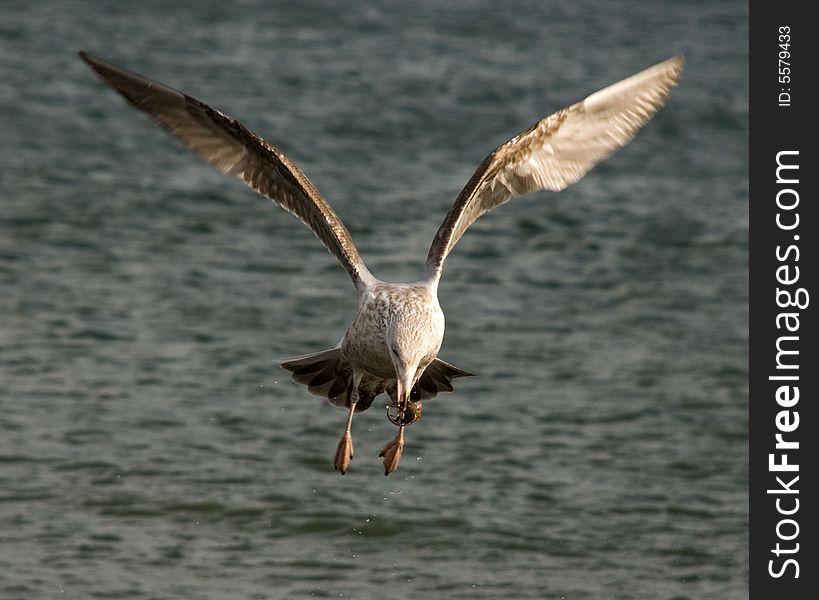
151,448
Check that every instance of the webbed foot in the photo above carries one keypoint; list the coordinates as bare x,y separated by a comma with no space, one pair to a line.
392,452
344,453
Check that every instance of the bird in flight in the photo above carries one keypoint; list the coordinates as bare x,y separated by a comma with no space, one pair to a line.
392,343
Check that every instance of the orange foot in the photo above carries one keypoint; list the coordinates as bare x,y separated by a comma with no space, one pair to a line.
392,452
344,453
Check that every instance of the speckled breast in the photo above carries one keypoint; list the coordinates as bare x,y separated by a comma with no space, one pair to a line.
364,344
406,310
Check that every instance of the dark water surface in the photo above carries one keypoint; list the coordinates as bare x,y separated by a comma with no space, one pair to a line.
149,446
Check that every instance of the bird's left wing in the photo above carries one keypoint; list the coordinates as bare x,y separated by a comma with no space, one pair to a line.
557,151
233,149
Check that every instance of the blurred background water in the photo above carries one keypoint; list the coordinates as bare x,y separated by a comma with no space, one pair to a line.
151,448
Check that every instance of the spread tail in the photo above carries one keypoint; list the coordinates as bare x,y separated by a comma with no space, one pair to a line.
328,376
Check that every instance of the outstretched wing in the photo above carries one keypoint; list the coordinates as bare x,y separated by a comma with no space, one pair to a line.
557,151
235,150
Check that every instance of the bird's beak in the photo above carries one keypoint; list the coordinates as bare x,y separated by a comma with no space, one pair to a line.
400,391
403,388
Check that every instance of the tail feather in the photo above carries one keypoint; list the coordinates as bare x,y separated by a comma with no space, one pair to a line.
437,378
323,373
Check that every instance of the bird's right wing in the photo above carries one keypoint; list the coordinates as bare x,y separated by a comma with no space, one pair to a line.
557,151
233,149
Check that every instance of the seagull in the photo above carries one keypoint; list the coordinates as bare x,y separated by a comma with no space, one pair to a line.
391,346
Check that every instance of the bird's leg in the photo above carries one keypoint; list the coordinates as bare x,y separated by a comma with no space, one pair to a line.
399,414
344,452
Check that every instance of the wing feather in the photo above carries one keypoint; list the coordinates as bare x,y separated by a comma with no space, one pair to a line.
235,150
557,151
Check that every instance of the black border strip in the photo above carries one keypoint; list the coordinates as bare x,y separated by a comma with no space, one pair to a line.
781,125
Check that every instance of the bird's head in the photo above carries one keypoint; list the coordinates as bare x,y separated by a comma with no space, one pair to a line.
414,332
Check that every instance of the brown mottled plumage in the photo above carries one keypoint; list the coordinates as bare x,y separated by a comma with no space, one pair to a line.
393,341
